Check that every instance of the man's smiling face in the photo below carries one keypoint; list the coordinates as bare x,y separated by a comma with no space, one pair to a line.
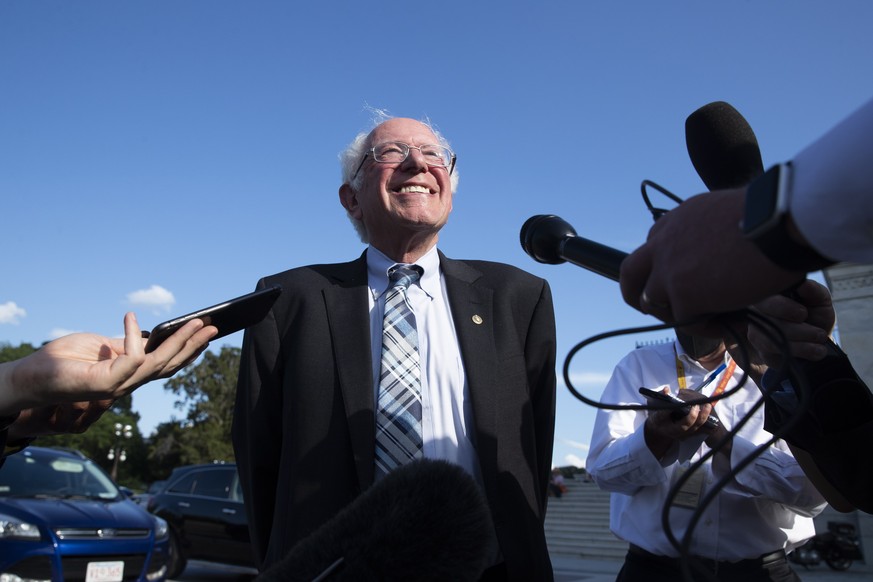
405,201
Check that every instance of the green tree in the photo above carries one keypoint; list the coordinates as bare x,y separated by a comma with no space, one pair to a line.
207,392
9,352
100,438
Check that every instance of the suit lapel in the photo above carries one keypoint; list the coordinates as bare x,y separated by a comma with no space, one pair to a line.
473,313
348,315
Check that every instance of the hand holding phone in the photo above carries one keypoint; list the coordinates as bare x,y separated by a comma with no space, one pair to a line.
678,412
229,316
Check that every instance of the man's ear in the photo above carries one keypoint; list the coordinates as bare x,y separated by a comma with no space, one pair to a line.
349,199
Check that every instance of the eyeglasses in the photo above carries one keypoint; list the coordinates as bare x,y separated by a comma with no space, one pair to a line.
394,152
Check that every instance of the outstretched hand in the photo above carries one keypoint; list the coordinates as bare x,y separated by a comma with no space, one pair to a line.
73,374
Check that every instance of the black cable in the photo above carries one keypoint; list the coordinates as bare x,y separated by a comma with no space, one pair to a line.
657,212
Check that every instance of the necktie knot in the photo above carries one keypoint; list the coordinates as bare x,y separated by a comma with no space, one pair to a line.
403,276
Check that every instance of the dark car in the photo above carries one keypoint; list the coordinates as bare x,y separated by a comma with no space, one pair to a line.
143,498
203,505
63,519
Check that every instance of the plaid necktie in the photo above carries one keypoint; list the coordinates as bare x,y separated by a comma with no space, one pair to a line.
398,410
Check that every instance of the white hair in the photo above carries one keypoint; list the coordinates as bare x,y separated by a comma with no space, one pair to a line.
351,157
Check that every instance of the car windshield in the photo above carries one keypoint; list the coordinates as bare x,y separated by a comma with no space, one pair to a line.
40,475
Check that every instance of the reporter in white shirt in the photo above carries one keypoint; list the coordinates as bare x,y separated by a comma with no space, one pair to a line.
638,455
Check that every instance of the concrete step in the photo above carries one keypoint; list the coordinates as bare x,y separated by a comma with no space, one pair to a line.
577,524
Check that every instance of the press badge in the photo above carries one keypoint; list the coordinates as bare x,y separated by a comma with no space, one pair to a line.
692,490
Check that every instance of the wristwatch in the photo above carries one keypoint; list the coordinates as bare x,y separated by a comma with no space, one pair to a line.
765,222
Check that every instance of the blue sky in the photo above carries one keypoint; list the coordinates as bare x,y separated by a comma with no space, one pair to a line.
161,156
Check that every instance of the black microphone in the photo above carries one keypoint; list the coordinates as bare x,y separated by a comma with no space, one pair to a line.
551,240
426,520
722,146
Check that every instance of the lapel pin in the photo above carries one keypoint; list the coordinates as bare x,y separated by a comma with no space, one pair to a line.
477,319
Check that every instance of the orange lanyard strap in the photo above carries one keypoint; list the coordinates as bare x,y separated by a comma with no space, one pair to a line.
725,378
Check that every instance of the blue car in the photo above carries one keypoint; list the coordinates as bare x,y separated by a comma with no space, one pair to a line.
62,519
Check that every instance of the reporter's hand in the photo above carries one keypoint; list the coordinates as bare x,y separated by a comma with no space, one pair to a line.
661,431
806,318
89,367
696,262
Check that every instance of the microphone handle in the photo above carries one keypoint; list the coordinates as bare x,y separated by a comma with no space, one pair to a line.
601,259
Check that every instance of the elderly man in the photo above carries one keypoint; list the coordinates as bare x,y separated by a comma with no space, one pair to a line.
462,368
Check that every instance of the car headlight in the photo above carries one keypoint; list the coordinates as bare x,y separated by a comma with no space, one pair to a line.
12,528
162,530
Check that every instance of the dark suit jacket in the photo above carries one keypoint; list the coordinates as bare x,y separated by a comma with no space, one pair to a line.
304,425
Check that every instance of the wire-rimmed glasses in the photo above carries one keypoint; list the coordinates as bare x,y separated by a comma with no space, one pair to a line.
395,152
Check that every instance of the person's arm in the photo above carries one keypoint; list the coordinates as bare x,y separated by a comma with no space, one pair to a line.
68,383
620,459
774,474
839,417
256,432
831,200
830,210
540,362
85,366
697,262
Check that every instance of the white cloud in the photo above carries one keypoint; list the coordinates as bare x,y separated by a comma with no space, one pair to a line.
155,297
590,379
576,445
11,313
57,332
574,460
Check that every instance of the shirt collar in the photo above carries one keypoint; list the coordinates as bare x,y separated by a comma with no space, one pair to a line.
378,265
683,355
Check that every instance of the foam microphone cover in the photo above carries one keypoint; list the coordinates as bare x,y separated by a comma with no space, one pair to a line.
722,147
427,520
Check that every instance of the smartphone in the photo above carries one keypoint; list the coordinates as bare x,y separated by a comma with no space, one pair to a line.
654,395
229,316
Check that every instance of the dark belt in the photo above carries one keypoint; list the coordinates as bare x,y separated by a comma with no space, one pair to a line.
761,561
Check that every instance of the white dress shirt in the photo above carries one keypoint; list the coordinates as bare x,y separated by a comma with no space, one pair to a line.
768,506
447,415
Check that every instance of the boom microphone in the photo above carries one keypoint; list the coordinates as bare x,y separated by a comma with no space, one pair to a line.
722,146
551,240
426,520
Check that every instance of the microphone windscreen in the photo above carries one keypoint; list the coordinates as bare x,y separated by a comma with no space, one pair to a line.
722,146
426,520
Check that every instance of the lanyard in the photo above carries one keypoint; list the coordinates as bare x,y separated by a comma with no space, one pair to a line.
683,383
722,384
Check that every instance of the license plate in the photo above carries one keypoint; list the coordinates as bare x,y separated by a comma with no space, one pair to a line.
105,572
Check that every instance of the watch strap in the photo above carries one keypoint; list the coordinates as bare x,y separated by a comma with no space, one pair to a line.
770,232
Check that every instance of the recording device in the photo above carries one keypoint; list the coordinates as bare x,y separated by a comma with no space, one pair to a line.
722,146
653,396
551,240
229,316
426,520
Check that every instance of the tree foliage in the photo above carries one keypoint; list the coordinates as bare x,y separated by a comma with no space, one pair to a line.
100,438
206,393
9,352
